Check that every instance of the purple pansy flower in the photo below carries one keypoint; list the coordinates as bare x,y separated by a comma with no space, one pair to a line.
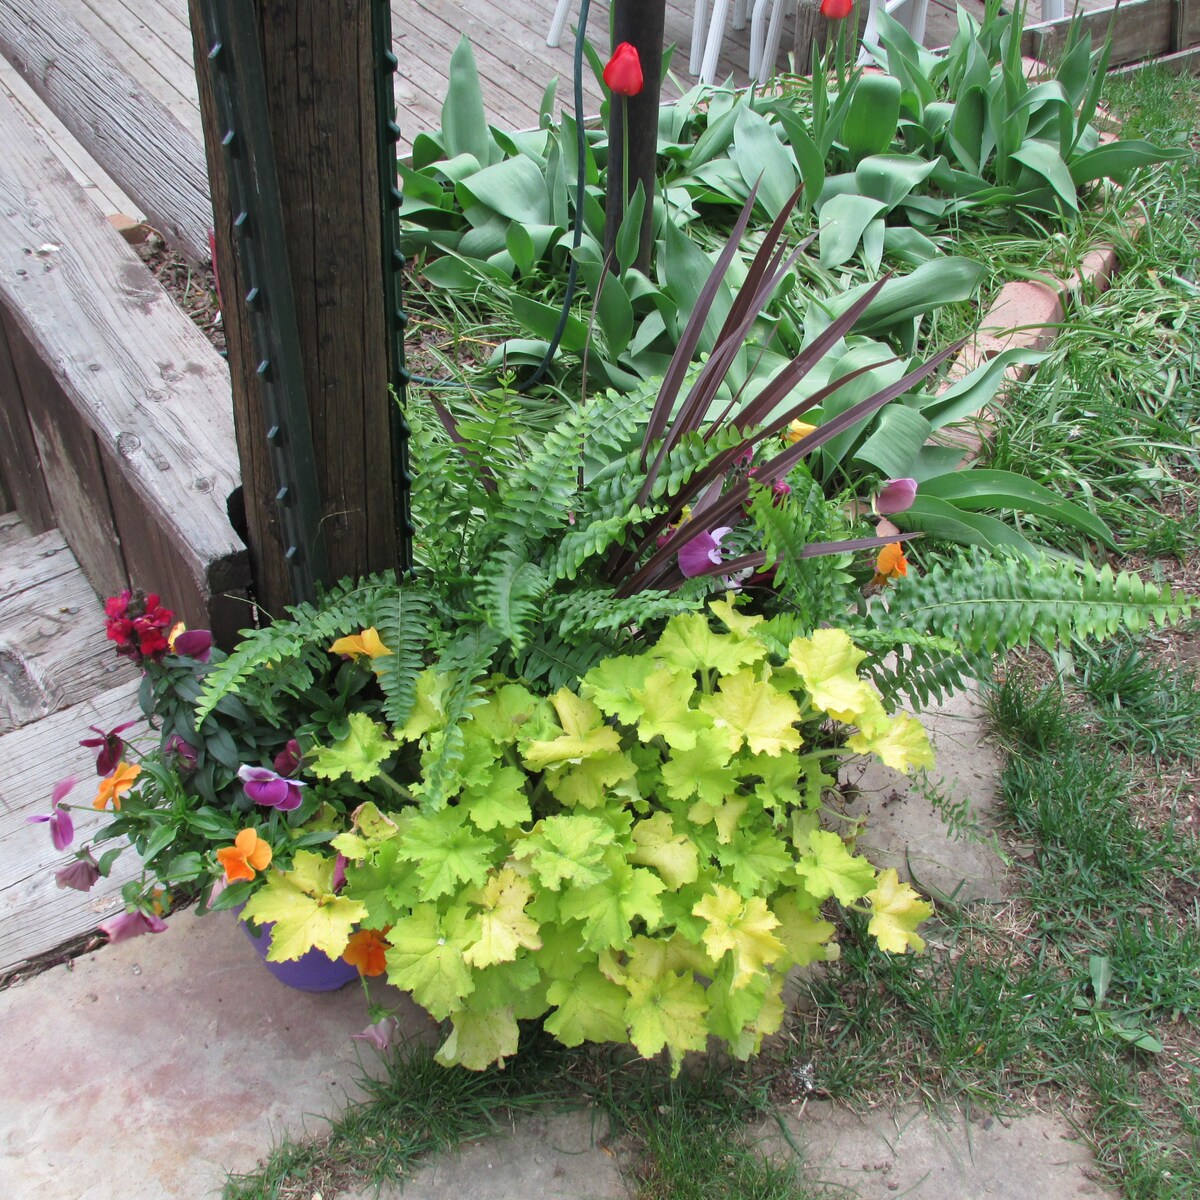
193,643
896,496
380,1034
80,874
62,828
701,552
265,786
287,761
128,925
109,746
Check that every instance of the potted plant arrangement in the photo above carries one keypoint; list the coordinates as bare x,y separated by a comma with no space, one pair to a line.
580,767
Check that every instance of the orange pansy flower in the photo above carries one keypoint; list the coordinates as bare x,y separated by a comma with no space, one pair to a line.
248,854
890,564
366,643
367,951
116,785
797,431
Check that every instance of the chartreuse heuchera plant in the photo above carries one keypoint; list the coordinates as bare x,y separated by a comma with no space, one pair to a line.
639,858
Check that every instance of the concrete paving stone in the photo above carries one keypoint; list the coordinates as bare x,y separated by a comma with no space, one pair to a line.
904,830
553,1156
908,1152
154,1067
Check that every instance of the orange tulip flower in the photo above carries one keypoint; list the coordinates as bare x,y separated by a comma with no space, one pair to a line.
248,854
116,785
367,643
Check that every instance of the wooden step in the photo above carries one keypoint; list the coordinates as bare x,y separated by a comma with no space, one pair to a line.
116,420
58,675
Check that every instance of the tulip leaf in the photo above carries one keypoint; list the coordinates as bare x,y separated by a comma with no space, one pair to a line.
890,177
629,234
541,320
896,440
1117,158
966,397
944,520
843,220
464,125
986,489
872,116
614,314
514,188
762,158
1044,160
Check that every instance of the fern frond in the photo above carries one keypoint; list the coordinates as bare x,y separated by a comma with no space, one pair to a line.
921,668
405,626
345,608
590,541
509,590
560,662
992,602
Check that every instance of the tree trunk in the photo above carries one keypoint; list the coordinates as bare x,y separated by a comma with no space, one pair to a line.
639,22
318,67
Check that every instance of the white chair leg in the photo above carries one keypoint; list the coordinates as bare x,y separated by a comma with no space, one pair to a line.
740,8
712,47
758,35
870,33
1053,10
918,10
770,54
558,22
699,28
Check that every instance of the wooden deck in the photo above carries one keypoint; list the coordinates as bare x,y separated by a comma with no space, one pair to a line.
58,675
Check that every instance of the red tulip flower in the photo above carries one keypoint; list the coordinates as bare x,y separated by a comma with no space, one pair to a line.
623,74
836,10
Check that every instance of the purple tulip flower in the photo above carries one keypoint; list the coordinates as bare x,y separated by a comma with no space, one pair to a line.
62,828
109,746
897,496
128,925
267,787
380,1034
701,552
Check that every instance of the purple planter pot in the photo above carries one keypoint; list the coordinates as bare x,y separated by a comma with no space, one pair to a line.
311,972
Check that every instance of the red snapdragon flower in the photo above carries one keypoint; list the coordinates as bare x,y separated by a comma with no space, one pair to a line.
623,74
139,625
836,10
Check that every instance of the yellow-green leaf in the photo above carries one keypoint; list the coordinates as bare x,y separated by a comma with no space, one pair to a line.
896,911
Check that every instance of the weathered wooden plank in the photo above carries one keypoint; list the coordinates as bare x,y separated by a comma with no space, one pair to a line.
12,531
53,651
142,54
138,141
1142,29
32,560
83,168
153,390
1187,24
35,914
19,462
72,469
1182,62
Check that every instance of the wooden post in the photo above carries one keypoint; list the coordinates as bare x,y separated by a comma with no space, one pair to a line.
318,67
639,22
812,30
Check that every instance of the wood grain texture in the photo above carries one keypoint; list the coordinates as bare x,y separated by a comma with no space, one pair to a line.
133,136
35,914
73,470
53,651
152,389
12,530
20,467
321,106
1142,29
